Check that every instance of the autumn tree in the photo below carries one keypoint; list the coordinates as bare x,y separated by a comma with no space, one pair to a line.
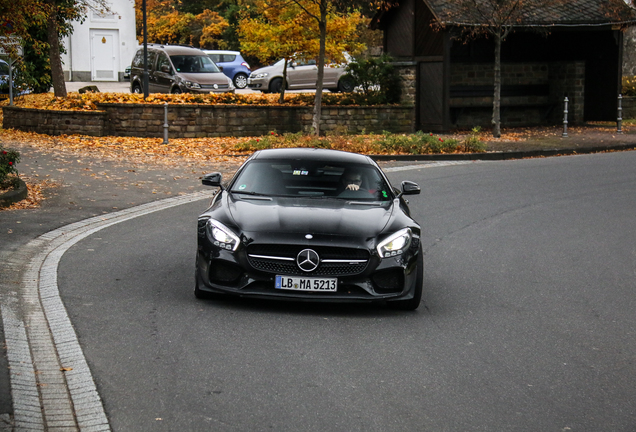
167,24
324,32
22,16
273,33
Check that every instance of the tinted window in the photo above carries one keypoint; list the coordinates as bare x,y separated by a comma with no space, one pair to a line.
311,179
138,61
193,64
228,58
215,57
152,57
163,61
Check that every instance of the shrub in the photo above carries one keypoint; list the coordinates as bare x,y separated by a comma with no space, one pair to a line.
8,172
472,144
629,86
417,143
387,143
376,79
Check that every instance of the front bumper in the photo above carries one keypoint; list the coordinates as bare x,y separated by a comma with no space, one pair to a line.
257,84
381,280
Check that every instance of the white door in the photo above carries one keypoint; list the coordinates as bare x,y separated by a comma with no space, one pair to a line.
104,55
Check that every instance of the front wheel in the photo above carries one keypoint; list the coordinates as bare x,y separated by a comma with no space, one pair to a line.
240,81
345,85
176,90
275,85
136,88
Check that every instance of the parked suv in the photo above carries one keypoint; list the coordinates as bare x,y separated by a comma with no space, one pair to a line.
177,69
301,74
233,66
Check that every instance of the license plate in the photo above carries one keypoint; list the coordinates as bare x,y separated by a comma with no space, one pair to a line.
306,283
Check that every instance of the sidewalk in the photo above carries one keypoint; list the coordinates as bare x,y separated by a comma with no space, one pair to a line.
83,187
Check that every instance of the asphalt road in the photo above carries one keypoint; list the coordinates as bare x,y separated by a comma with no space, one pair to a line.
528,322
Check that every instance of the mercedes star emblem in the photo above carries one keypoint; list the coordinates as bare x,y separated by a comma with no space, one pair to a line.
307,260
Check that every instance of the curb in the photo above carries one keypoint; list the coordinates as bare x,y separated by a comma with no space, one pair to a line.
15,195
52,387
504,155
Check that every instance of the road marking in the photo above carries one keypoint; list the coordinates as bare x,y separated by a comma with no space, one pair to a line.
428,165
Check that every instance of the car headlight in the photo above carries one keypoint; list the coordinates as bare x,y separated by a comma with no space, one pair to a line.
259,75
192,85
222,236
395,244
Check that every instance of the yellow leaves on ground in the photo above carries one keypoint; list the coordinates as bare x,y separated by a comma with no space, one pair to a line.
89,101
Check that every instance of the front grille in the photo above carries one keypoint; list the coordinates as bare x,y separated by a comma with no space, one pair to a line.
281,259
218,86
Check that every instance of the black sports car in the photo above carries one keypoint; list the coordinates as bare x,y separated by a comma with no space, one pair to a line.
310,224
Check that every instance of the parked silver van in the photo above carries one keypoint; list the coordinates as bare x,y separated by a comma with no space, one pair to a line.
177,69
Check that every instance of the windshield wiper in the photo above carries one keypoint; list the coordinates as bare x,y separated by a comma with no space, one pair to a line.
247,192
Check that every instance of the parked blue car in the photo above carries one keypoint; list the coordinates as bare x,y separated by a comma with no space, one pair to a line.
234,66
4,82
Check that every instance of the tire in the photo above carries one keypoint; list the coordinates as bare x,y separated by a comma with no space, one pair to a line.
240,81
275,85
136,88
413,303
175,90
345,85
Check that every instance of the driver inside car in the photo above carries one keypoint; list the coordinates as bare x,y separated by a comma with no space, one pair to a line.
351,180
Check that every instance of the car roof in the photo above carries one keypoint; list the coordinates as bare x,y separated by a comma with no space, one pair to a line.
312,154
221,52
177,49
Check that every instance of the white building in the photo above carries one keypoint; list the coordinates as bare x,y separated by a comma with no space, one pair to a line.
102,46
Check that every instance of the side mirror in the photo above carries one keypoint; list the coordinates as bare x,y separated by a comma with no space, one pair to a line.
213,179
410,188
220,68
166,69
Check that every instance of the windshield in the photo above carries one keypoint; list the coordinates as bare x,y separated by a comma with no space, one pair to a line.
320,179
4,68
194,64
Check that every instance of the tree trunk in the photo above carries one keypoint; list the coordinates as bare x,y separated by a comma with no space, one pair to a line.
496,103
322,25
57,75
281,100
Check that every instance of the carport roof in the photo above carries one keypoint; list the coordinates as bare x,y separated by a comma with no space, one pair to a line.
565,13
558,13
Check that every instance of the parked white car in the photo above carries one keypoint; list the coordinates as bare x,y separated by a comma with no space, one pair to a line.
301,75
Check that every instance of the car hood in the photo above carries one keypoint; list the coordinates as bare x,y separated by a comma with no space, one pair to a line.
206,78
269,69
308,216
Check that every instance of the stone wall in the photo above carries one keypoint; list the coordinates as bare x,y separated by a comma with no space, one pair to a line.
517,109
52,122
408,76
193,121
629,107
